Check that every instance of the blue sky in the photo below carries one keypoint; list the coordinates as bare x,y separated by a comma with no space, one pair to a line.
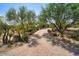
31,6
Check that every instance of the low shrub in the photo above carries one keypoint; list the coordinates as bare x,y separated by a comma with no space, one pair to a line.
75,35
55,34
49,31
25,37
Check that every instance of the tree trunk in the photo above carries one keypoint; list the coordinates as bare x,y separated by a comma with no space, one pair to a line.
20,38
5,39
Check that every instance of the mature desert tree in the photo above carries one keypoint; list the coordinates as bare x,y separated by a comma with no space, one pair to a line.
42,19
25,17
30,15
11,14
19,17
30,18
22,16
62,15
1,28
4,30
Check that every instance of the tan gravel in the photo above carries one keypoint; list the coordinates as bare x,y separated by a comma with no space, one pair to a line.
43,49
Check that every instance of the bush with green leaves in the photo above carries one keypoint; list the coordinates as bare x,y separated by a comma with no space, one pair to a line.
61,16
25,37
75,35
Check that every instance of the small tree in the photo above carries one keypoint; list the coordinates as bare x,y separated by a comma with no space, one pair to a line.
4,28
62,16
23,17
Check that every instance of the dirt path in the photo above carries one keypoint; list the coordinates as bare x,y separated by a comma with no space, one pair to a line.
43,49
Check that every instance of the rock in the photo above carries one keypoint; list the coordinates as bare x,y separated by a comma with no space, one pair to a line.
5,46
18,44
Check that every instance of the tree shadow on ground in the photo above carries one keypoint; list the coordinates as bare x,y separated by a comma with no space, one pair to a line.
37,36
67,44
33,40
48,36
72,47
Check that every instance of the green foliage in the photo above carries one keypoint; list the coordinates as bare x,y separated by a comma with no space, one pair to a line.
25,37
54,15
75,35
30,15
61,15
22,14
1,28
42,24
42,19
51,26
11,14
24,18
76,25
31,27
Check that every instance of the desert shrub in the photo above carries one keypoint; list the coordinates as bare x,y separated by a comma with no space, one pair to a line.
16,38
25,37
49,31
51,26
52,33
55,34
31,31
75,35
0,33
